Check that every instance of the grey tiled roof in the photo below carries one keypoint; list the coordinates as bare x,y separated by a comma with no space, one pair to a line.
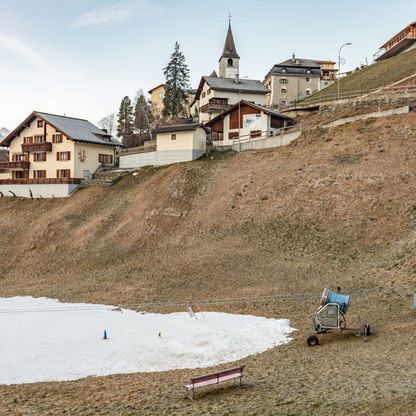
79,129
302,62
228,84
179,127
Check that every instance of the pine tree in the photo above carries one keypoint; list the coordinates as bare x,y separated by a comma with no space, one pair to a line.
176,85
142,118
125,121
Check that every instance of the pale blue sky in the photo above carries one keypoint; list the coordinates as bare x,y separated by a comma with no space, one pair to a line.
80,57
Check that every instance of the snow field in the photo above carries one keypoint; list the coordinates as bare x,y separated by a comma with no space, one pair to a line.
45,340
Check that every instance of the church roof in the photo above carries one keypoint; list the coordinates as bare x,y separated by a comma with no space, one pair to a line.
250,86
229,50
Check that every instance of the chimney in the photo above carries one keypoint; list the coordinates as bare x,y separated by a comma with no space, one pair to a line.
237,78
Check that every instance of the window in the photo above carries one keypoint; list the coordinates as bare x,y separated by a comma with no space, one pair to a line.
217,136
283,90
284,81
39,139
233,135
173,136
39,157
308,80
40,123
108,159
63,173
63,156
19,174
57,138
255,133
308,92
204,94
18,158
209,91
283,102
230,62
27,140
39,174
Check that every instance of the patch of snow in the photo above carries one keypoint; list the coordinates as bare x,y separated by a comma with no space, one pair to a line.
45,340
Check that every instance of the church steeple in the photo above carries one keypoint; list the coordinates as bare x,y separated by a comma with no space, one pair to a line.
229,50
230,60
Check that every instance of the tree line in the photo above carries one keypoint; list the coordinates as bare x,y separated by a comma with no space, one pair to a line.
135,121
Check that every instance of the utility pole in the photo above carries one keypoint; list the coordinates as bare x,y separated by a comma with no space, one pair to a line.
339,65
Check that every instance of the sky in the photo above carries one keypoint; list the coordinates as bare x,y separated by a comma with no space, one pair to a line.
81,57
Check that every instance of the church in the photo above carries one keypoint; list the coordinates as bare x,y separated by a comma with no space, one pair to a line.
219,92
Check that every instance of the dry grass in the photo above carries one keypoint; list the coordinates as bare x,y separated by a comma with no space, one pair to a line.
336,208
375,76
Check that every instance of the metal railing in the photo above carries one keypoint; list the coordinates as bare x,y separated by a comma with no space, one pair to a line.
409,89
267,134
139,149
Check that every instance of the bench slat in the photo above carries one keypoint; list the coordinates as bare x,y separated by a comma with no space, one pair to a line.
236,370
215,378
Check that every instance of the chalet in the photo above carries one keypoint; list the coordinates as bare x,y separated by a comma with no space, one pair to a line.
218,92
50,155
401,42
297,78
175,143
245,120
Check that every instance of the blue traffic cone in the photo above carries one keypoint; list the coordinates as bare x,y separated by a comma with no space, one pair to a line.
105,334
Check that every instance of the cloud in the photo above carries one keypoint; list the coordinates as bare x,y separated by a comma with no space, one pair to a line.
112,15
19,48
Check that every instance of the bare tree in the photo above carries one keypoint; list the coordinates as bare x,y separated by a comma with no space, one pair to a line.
108,123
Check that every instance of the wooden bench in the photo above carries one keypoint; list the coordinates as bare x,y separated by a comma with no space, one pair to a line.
215,378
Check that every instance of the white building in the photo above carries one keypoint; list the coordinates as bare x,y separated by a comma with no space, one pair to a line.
174,144
217,93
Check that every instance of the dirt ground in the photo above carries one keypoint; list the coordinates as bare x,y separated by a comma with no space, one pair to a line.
335,208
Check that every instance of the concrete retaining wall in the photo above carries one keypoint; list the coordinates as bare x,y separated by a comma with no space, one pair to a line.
268,143
159,158
44,191
376,114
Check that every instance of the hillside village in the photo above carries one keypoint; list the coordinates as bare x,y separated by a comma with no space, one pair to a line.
236,247
225,111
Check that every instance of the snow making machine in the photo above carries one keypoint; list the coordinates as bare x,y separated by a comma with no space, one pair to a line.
330,317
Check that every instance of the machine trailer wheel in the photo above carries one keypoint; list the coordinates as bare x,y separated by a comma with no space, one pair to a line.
312,340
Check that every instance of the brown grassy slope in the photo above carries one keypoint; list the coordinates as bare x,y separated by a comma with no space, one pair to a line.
337,207
334,206
378,75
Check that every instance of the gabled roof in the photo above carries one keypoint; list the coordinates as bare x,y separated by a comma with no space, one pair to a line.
74,128
229,50
300,62
298,66
155,88
179,127
249,86
249,104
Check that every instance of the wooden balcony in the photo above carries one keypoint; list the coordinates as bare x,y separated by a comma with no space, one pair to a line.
22,165
37,147
44,181
214,108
